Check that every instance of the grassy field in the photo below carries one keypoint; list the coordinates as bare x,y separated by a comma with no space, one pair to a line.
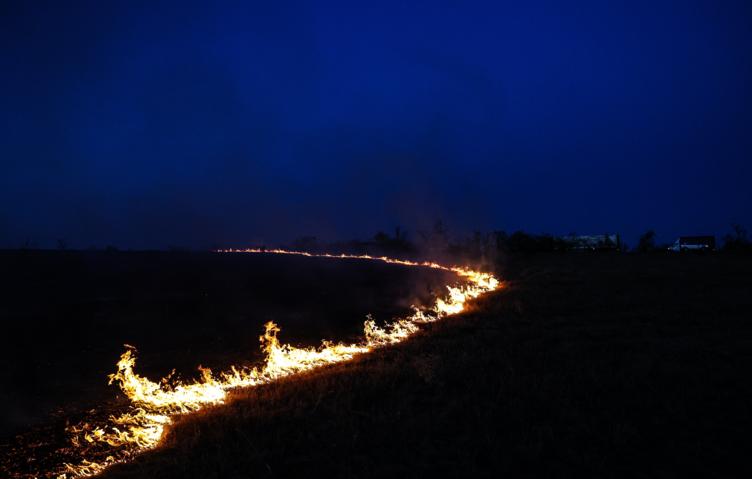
596,365
66,315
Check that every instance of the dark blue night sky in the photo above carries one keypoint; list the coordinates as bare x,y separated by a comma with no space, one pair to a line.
153,124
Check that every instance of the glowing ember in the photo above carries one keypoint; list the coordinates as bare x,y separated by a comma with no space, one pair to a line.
154,403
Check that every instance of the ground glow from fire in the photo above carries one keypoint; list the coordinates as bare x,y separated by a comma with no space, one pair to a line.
155,403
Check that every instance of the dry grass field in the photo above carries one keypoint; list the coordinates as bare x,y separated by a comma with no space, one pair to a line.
594,365
601,365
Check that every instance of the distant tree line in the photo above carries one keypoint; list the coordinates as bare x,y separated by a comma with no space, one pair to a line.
478,247
492,248
737,242
438,244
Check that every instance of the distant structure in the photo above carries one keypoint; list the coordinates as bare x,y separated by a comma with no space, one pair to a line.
693,243
606,242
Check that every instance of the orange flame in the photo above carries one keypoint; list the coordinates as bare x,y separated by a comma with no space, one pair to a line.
153,404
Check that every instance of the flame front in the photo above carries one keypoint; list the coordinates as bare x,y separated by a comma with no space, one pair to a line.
153,404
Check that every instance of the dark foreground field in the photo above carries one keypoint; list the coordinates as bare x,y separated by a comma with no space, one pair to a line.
602,365
65,316
605,366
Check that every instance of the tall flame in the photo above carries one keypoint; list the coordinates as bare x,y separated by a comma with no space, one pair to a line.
154,404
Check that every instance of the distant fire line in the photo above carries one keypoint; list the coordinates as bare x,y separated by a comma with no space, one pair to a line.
153,404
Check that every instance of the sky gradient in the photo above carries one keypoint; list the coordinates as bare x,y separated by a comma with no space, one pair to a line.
148,124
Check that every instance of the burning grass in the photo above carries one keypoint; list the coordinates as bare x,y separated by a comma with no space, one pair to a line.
603,366
594,366
154,405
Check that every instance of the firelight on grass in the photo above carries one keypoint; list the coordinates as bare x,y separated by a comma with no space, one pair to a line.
155,403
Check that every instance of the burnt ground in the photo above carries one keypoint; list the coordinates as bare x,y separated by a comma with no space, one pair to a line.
604,366
584,365
66,315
